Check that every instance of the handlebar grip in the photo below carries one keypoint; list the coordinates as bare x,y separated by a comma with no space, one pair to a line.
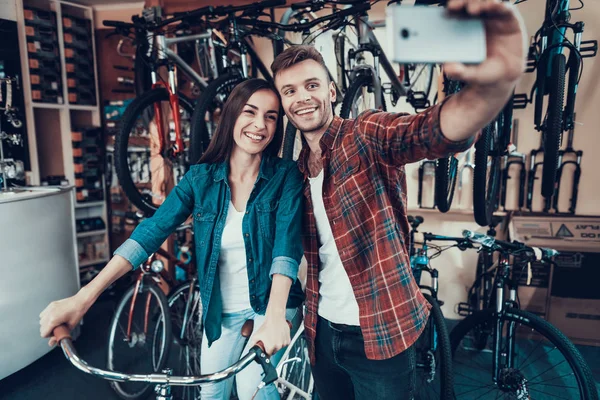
117,24
61,332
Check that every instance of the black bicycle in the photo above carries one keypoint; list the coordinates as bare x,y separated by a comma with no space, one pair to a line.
547,56
524,356
434,359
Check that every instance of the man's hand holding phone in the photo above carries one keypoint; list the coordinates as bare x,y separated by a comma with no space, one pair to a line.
506,43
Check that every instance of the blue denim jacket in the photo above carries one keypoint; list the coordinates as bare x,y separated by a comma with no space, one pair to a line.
271,228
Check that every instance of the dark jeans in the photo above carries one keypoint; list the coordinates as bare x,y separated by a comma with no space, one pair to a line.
342,370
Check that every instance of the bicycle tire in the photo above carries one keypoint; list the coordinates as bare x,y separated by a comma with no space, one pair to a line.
354,92
427,380
534,328
135,111
142,77
184,355
289,140
446,175
118,324
213,97
486,173
554,125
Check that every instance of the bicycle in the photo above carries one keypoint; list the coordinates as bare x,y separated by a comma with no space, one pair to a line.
209,105
151,146
147,327
434,360
509,364
165,380
413,82
547,56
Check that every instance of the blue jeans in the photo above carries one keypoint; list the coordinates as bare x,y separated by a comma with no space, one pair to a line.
227,350
343,371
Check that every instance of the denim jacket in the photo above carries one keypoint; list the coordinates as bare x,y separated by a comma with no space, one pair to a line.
271,227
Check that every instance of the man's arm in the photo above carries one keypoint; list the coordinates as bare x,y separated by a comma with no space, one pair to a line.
491,83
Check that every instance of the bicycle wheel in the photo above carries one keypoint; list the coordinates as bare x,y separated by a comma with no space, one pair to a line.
434,359
359,97
146,349
545,364
446,172
486,174
185,308
207,112
296,381
553,127
146,172
289,140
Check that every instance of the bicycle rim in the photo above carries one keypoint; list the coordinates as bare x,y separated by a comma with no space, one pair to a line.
146,173
147,348
184,357
360,97
545,364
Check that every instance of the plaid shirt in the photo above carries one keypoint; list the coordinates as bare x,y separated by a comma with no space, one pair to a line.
364,193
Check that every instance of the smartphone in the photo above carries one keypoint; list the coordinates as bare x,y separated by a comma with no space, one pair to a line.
422,34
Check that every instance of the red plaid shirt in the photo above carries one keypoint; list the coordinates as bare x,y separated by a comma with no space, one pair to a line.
364,193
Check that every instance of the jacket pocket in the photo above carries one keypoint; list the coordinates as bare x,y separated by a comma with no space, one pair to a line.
346,170
204,222
267,214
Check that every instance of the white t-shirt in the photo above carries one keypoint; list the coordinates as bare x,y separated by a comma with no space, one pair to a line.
233,272
336,297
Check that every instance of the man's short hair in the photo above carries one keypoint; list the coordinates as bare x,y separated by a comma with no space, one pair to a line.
294,55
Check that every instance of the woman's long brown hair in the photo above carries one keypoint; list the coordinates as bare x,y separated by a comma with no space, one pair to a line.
221,144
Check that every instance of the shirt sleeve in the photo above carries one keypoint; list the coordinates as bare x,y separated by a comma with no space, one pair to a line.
149,235
400,138
287,249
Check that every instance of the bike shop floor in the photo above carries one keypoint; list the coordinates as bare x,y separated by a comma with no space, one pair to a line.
53,378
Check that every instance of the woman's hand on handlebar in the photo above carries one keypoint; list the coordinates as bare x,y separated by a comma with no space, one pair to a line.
274,333
67,311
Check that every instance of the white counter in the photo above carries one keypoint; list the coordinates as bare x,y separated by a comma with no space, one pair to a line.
38,264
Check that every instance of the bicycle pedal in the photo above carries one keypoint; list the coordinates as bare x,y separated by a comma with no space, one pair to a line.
590,49
387,88
520,101
464,309
418,100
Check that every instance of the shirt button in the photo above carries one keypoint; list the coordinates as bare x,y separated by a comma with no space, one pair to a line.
314,295
247,212
251,280
198,215
253,297
246,234
249,260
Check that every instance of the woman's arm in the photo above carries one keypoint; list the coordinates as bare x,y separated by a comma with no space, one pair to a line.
287,252
145,240
71,310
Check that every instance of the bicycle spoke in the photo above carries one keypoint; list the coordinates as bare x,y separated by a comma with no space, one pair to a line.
550,394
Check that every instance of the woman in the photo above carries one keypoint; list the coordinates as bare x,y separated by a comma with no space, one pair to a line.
246,204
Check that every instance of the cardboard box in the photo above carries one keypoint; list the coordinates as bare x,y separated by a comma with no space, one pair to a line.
579,319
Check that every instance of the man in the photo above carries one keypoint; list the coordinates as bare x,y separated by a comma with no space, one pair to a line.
364,310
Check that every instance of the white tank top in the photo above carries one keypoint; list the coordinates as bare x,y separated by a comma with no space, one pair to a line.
233,272
336,297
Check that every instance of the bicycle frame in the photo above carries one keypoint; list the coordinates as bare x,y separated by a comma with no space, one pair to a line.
369,43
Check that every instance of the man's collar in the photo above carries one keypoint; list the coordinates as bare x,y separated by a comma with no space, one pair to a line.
327,141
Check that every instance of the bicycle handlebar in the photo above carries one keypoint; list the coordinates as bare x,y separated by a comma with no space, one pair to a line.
540,253
297,27
318,4
256,353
